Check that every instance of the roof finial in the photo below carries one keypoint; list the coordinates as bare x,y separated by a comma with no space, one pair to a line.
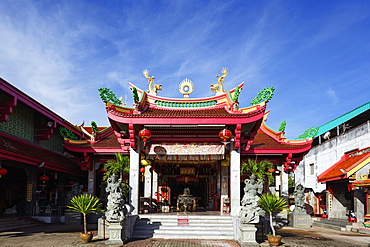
219,87
153,88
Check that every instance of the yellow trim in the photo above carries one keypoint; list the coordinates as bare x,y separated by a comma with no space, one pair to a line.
252,108
358,167
120,108
279,136
78,141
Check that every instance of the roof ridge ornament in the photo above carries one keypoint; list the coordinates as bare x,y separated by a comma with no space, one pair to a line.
219,87
263,96
186,87
153,88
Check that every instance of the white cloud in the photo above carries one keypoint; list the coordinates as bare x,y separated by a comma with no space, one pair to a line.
60,53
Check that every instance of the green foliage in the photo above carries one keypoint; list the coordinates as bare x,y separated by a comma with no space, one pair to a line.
107,95
67,133
236,94
135,95
94,126
291,182
259,169
282,126
85,204
272,203
309,132
119,166
263,95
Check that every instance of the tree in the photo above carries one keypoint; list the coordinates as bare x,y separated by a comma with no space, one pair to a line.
85,204
259,168
272,203
120,166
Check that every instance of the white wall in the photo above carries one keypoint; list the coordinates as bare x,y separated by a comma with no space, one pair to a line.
328,153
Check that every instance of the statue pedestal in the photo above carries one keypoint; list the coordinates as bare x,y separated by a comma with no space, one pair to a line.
116,233
299,220
248,235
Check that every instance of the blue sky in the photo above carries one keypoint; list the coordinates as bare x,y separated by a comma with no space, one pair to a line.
315,53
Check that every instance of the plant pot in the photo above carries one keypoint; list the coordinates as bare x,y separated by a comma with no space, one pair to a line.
274,240
86,237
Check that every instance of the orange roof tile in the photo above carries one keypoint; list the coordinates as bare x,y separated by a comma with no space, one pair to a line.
109,142
264,141
361,183
349,163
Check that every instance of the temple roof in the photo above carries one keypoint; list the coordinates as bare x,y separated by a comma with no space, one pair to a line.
12,148
151,109
204,118
264,143
221,99
346,166
268,140
16,95
107,144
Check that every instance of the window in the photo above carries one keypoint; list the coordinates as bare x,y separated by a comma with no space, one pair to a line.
312,169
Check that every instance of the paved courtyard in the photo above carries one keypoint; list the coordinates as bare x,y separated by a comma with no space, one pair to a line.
66,235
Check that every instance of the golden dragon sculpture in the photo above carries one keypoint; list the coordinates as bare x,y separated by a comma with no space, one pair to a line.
152,87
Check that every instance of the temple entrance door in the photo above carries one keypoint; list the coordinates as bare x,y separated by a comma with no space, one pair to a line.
197,189
200,179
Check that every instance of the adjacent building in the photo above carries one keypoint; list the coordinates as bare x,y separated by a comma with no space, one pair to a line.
335,171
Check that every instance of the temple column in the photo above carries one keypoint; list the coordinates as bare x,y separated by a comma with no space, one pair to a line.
155,184
91,179
224,187
284,185
147,182
134,181
91,182
234,181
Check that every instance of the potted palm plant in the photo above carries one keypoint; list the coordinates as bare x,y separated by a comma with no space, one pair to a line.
85,204
272,203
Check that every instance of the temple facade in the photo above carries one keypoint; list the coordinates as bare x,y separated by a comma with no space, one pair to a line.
185,153
194,145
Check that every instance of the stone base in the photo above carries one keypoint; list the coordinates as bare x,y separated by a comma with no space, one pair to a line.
299,220
116,233
248,235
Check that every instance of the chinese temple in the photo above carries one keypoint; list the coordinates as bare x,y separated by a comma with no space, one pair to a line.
36,174
191,146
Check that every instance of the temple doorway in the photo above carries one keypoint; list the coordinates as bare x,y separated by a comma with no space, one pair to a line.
198,190
200,181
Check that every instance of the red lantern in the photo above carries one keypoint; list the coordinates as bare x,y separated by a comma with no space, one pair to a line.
103,170
145,134
3,171
272,170
225,134
44,178
142,170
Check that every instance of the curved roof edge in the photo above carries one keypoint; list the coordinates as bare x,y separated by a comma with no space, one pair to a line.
279,136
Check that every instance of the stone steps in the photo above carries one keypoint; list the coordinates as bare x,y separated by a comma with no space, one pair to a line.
184,227
332,223
8,224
